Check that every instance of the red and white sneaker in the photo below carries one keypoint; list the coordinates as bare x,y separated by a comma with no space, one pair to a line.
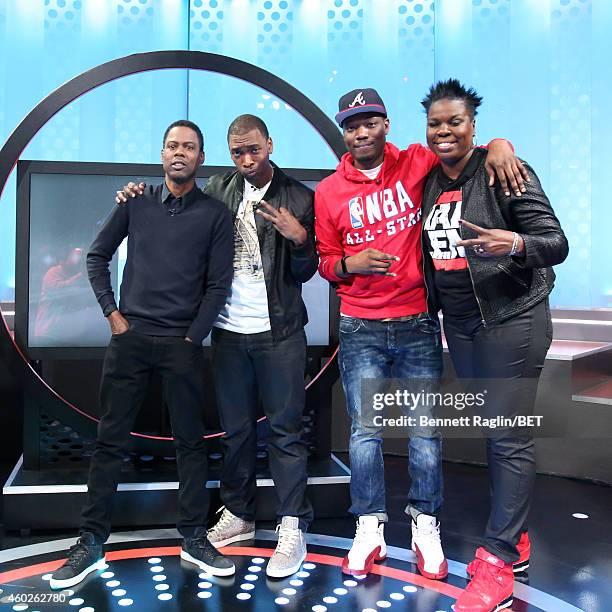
368,546
524,549
428,548
491,587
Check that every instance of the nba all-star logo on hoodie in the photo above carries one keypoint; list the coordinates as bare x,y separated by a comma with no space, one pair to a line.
354,213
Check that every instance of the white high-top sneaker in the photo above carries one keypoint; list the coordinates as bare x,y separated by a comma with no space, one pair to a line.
427,547
368,546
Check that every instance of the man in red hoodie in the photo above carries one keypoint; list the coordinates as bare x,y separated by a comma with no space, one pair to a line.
368,229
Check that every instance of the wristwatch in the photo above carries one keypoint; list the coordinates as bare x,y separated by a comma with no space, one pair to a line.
343,265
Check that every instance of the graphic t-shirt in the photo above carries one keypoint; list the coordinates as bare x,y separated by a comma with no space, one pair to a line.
452,276
442,232
246,309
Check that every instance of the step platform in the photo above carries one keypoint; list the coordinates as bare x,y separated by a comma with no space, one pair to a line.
147,493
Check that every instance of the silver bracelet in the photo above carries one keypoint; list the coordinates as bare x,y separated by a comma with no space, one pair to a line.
515,243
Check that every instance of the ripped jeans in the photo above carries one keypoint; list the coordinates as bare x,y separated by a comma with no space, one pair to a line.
376,349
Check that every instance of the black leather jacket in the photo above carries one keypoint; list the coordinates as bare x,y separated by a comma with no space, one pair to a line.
285,266
504,286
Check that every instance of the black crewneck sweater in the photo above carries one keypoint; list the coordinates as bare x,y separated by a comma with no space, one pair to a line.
179,262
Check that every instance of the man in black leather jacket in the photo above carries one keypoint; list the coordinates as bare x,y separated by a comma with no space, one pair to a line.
285,266
259,344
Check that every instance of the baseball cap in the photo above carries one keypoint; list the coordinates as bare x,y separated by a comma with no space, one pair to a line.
360,101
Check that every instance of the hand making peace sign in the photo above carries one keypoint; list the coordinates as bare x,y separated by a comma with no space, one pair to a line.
492,242
286,224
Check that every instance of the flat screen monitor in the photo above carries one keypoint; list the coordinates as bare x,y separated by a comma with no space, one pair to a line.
61,207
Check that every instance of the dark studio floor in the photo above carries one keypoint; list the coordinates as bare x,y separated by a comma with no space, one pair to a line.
571,559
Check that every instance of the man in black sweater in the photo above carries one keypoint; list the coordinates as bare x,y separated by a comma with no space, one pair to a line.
175,282
258,340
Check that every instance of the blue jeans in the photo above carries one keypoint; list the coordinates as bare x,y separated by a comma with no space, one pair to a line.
377,349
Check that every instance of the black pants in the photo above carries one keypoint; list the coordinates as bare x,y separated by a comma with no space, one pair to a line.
511,350
130,359
248,368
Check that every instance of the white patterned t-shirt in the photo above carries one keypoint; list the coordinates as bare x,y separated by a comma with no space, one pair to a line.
246,309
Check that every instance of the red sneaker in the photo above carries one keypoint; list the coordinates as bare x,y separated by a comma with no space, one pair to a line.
518,567
491,587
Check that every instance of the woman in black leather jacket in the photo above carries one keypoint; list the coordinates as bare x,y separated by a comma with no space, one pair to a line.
487,257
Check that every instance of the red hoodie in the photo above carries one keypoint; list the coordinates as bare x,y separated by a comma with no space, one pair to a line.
354,213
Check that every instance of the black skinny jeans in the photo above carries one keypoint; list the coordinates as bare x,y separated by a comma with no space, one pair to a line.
130,359
510,350
249,368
